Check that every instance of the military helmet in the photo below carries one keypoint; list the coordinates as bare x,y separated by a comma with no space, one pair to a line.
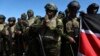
38,16
30,11
2,17
23,16
93,8
93,5
51,6
74,4
60,12
12,19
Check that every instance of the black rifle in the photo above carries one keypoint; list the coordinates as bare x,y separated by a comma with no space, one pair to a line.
42,47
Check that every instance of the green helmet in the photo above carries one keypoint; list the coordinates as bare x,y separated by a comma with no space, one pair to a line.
2,17
51,6
61,12
74,5
30,11
38,16
12,19
23,16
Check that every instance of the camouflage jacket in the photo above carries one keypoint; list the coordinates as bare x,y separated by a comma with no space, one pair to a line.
33,20
71,27
51,29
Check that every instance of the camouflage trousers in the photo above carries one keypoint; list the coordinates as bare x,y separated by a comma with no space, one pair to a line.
68,49
52,48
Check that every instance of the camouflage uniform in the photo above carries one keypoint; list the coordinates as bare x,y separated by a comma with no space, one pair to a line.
2,35
20,27
10,29
25,32
71,29
33,46
50,32
61,15
31,17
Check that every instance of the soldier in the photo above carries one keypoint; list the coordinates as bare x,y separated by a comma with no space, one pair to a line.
11,36
2,35
31,17
24,20
23,16
93,8
33,48
61,15
50,31
25,33
71,29
21,26
39,17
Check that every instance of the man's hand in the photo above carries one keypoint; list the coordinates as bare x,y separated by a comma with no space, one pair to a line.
71,40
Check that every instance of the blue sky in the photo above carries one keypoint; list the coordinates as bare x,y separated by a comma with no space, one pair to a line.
15,8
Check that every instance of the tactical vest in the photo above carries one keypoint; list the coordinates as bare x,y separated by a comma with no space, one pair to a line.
53,23
11,31
2,26
48,33
31,20
70,26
